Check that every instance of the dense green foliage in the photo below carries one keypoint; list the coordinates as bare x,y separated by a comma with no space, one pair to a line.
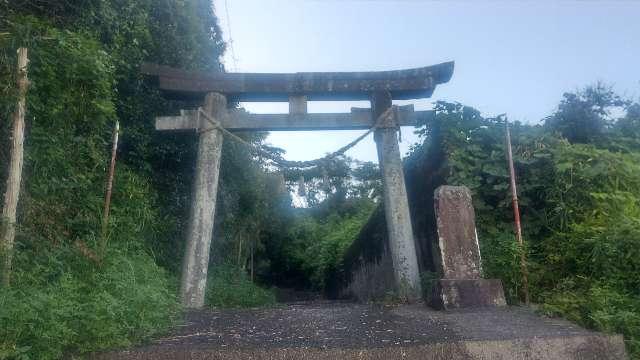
230,287
68,296
320,239
579,202
61,300
579,183
305,245
128,299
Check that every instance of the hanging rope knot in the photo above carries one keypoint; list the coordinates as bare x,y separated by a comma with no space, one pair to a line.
387,117
214,124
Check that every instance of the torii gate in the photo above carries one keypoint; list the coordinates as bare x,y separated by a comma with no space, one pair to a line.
219,88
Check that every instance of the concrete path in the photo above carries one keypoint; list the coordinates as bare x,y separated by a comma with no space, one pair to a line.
329,330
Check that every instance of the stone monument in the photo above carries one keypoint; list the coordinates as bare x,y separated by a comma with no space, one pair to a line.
458,255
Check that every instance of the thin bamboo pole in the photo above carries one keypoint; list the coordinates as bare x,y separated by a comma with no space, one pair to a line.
109,189
253,244
12,194
516,216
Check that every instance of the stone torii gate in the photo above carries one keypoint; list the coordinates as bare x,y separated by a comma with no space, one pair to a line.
218,89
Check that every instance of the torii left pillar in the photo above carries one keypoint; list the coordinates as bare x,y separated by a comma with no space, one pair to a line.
203,205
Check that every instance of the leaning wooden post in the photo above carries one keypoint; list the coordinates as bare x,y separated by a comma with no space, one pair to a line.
396,205
8,220
196,260
109,189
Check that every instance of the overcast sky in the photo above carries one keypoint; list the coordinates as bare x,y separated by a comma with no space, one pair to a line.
514,56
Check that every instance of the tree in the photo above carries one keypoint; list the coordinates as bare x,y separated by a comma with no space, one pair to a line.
366,181
629,125
584,116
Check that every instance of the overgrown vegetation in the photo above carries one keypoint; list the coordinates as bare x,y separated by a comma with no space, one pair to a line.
319,240
69,298
84,309
579,182
579,189
230,287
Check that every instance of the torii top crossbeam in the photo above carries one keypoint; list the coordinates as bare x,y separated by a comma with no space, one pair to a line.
401,84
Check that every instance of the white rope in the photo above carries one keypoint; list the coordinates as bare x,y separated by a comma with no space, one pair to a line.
385,117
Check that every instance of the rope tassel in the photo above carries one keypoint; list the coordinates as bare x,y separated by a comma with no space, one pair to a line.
326,186
302,190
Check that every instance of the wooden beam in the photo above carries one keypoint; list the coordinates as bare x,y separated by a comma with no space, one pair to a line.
239,120
402,84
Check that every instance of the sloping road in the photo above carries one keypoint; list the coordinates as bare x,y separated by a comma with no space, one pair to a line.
329,330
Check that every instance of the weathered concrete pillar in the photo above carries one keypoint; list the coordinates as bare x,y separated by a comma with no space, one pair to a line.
458,255
396,205
203,205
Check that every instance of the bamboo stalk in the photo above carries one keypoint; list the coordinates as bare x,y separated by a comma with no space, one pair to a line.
109,189
12,194
253,244
516,216
239,261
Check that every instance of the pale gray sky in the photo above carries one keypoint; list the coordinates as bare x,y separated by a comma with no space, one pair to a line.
514,56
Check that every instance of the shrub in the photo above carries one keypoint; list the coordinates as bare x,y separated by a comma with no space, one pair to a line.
120,304
230,287
597,305
580,207
319,241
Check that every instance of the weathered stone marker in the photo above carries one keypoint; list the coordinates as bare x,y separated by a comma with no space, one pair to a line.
396,205
203,207
458,255
379,87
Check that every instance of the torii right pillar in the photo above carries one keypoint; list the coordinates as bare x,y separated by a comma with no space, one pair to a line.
396,205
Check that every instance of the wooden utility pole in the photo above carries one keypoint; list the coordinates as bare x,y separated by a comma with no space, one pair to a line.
109,188
8,220
516,216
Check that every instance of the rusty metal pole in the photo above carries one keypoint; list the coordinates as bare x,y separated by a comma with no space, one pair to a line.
516,216
109,188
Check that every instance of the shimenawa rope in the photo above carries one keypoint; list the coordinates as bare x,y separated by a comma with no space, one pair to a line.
279,160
